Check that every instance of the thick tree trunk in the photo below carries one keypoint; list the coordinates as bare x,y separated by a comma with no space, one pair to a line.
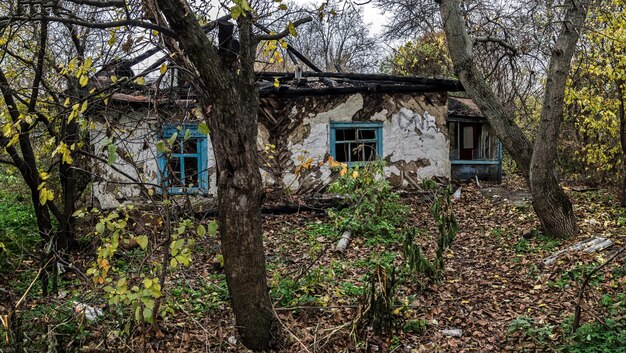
239,202
549,201
551,204
537,161
501,118
227,90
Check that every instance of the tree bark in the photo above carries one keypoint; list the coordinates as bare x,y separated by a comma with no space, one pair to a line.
622,140
228,93
549,200
501,119
536,161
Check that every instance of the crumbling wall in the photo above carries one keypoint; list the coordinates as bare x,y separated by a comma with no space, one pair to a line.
292,132
135,135
414,136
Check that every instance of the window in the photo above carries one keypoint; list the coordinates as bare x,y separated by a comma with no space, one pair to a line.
356,142
184,169
473,141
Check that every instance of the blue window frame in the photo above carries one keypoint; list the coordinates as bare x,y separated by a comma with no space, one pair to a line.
356,142
184,168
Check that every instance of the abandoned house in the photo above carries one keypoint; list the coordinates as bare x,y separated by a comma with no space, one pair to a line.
408,122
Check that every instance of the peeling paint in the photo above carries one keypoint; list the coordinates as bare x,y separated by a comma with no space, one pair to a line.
414,139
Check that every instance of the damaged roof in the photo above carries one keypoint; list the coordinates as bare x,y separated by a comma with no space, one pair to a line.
311,83
465,107
301,84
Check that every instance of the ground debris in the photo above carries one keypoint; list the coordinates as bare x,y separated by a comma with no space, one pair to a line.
590,245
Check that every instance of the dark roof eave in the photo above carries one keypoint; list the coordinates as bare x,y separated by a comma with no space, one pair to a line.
373,78
328,91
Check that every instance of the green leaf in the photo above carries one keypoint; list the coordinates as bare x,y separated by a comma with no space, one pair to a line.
203,129
100,228
235,12
172,139
160,145
147,315
142,240
112,149
246,5
147,282
187,135
292,29
212,228
201,230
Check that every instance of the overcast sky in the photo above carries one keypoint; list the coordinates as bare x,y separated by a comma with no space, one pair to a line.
371,15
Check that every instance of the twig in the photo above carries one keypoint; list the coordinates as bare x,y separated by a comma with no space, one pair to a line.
289,331
31,284
581,293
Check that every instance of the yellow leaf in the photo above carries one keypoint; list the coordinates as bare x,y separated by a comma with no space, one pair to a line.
83,80
292,29
276,82
83,107
163,69
140,80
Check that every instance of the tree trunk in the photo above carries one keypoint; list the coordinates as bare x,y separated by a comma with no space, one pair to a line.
537,161
239,202
622,140
550,201
226,87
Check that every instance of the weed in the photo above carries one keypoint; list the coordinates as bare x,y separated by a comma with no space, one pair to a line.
606,336
414,258
18,230
376,210
351,290
530,329
415,326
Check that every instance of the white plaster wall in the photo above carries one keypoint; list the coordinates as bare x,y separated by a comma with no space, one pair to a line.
407,136
136,137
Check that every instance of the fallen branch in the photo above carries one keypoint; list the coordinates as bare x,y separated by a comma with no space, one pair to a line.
344,241
581,293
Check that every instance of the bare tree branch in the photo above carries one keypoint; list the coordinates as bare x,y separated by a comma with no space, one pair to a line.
285,32
499,41
88,24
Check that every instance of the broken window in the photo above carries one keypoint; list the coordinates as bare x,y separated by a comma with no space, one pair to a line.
183,168
473,141
356,142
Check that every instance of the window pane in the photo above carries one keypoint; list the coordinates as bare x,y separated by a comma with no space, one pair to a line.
356,152
369,152
468,137
173,172
366,134
345,134
191,171
453,133
489,143
342,150
190,146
